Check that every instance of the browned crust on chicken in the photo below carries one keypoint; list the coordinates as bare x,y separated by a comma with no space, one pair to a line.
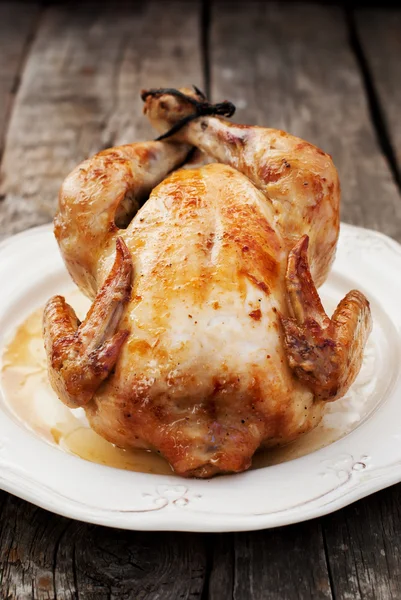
326,354
82,355
224,345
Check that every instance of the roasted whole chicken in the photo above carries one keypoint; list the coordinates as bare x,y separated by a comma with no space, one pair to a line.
206,339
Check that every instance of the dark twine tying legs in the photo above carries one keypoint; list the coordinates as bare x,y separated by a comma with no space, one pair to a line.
202,108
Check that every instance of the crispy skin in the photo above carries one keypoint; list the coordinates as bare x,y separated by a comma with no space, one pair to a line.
82,355
325,353
103,194
228,348
298,180
200,379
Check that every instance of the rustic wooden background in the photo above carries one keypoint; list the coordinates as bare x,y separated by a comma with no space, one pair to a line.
70,76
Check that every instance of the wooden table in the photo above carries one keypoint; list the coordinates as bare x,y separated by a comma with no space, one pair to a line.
70,78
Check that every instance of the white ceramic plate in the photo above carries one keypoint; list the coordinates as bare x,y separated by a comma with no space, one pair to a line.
363,461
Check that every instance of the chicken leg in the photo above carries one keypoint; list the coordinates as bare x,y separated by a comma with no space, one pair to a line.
100,197
299,181
300,184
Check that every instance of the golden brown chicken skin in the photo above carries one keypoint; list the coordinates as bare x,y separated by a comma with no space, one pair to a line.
207,338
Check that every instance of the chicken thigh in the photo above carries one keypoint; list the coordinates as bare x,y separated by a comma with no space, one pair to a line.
206,338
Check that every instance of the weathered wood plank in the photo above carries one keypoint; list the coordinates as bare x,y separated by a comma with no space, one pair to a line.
279,564
364,543
80,93
45,557
221,574
134,565
17,23
290,66
295,70
380,35
28,536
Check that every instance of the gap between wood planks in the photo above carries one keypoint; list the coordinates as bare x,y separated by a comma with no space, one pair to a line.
208,568
326,558
374,103
356,46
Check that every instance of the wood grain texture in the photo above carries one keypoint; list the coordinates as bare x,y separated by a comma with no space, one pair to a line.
364,548
284,66
221,567
380,36
80,93
279,564
46,557
17,23
294,70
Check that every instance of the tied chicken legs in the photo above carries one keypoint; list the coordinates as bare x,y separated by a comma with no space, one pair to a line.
206,339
